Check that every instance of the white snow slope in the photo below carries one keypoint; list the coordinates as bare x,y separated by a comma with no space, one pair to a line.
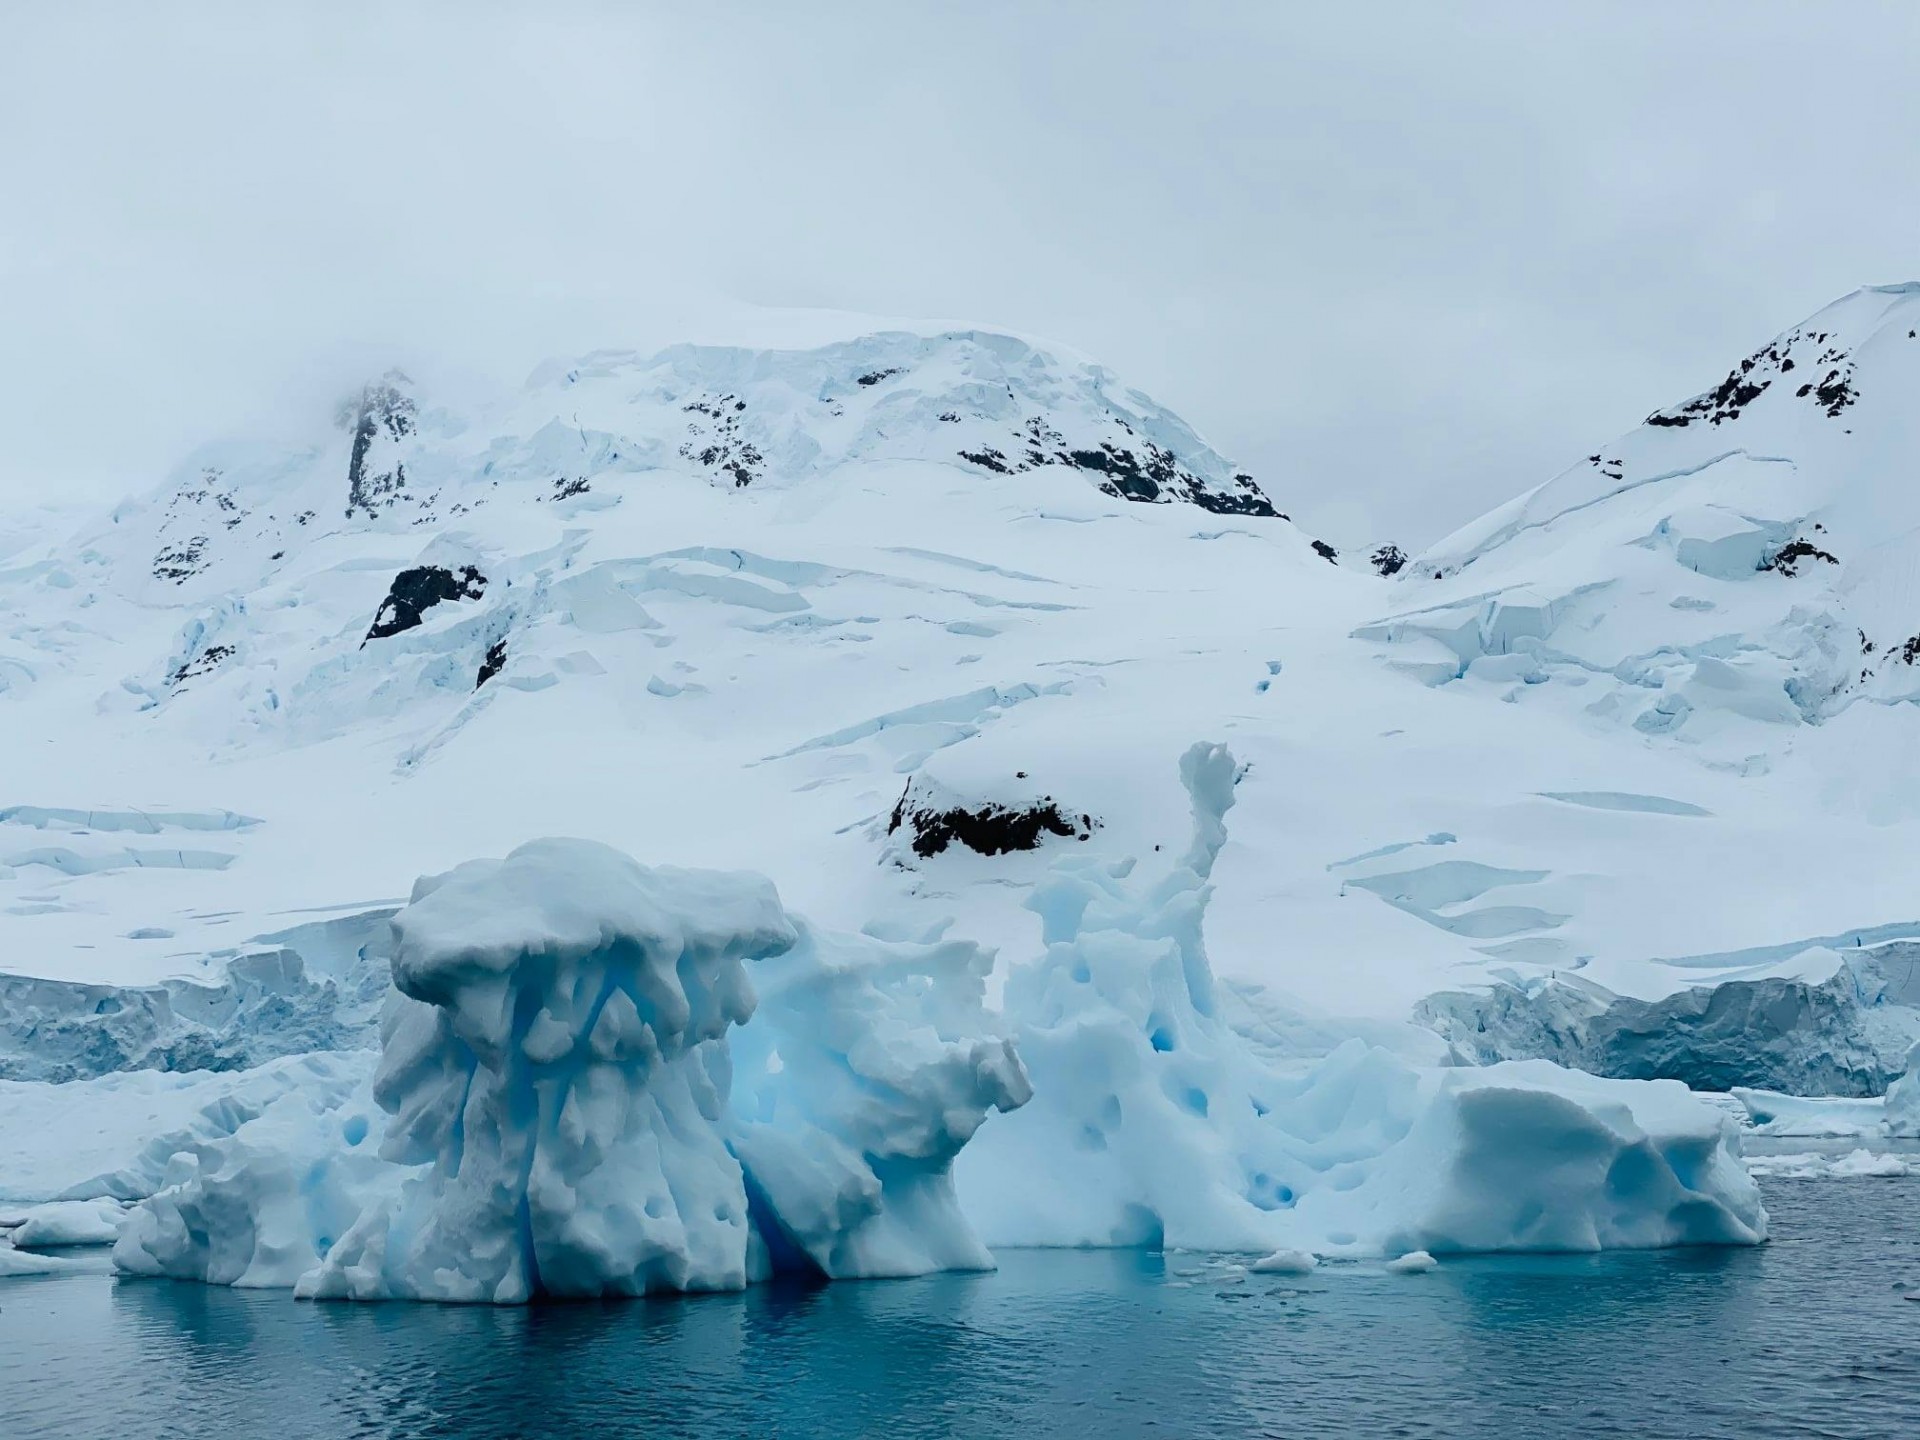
852,616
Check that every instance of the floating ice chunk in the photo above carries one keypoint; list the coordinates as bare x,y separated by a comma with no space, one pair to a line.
59,1224
1809,1116
1414,1262
1286,1262
1865,1164
1810,1165
257,1208
21,1262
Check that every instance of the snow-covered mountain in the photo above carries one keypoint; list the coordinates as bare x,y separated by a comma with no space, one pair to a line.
904,620
1749,554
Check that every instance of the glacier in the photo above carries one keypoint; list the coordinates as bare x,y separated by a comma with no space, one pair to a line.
876,624
1827,1022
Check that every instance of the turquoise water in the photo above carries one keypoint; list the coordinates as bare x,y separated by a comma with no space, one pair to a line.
1810,1335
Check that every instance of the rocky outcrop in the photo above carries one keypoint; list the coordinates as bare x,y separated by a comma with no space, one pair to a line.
383,418
931,821
1388,560
492,663
418,590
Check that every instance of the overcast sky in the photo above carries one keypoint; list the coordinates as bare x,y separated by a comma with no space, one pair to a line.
1402,261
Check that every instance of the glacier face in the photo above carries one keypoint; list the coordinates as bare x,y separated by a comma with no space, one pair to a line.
1903,1099
1894,1116
1845,1032
317,986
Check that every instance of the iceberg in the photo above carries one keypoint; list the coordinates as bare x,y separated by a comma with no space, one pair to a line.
62,1224
257,1205
554,1111
598,1078
1155,1123
1903,1099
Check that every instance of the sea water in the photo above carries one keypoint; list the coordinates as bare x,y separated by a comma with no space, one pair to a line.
1808,1335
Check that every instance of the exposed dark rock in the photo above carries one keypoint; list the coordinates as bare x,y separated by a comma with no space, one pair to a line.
180,561
988,459
1125,475
565,488
988,829
202,664
383,408
1326,552
493,662
1786,560
416,591
1835,393
1149,474
1752,377
874,377
1389,559
717,444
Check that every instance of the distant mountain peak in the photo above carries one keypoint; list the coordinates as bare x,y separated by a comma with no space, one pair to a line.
587,431
1743,555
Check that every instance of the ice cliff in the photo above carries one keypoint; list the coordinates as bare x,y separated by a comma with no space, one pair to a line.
1842,1032
317,986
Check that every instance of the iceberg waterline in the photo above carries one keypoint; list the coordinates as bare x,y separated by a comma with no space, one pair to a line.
598,1078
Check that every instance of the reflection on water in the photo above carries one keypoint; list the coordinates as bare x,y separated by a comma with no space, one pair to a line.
1809,1334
